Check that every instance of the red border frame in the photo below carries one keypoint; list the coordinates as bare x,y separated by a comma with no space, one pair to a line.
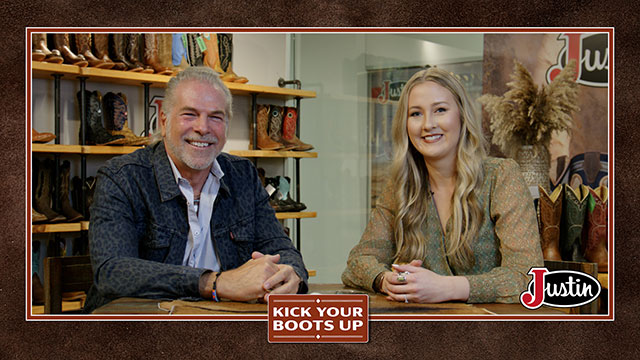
374,317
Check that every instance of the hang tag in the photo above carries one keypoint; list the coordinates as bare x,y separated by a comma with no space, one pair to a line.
270,189
201,44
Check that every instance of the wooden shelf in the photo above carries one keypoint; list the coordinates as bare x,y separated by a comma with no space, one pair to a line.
44,70
120,150
295,215
273,154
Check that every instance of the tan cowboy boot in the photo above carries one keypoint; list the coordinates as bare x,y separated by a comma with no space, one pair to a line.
151,55
549,216
264,142
42,53
83,44
41,137
62,43
595,240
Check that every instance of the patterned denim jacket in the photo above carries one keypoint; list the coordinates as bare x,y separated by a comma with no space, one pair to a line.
139,228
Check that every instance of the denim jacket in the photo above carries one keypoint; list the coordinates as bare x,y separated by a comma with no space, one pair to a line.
139,228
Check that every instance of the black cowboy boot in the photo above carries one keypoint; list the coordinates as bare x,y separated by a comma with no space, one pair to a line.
96,133
65,205
225,54
101,48
116,119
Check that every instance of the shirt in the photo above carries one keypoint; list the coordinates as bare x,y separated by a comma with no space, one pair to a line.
199,252
506,247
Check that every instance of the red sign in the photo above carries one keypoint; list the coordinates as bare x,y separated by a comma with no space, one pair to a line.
331,318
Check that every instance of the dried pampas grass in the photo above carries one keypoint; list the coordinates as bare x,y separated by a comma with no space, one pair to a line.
526,115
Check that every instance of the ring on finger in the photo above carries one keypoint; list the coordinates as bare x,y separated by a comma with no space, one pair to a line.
402,277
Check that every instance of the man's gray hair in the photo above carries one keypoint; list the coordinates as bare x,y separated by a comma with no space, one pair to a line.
199,73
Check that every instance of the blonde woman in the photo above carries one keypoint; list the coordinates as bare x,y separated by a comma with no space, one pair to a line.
452,224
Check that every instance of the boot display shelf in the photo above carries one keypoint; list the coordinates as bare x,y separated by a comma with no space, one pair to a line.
44,70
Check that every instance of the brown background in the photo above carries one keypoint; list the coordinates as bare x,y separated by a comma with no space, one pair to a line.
21,339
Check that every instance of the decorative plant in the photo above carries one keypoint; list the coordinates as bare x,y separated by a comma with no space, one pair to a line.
528,115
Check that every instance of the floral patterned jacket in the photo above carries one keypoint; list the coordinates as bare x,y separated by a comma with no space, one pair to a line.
139,228
507,246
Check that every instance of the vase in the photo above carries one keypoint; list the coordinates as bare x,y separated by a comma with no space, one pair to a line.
534,161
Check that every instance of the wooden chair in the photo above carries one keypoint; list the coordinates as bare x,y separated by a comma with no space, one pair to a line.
64,274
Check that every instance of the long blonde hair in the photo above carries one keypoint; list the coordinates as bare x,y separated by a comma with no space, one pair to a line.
409,173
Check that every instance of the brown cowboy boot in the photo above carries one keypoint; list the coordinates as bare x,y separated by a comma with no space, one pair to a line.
116,119
101,48
225,54
595,241
42,53
151,55
134,49
275,127
289,130
118,50
41,137
264,142
83,43
62,43
549,216
573,216
43,191
165,42
37,217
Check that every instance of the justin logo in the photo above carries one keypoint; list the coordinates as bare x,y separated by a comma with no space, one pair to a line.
591,52
560,288
388,91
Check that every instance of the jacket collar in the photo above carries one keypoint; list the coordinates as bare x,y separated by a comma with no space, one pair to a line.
167,185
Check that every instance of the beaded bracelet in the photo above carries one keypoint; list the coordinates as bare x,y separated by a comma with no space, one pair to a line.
214,294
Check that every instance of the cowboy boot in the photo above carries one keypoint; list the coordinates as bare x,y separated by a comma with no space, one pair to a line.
225,53
68,211
43,192
96,133
101,48
275,200
83,44
164,50
41,137
594,243
549,216
37,217
210,54
285,187
118,50
151,55
275,127
289,130
116,122
134,46
42,53
89,188
573,215
264,142
61,42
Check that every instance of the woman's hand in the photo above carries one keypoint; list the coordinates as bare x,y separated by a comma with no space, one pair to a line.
413,283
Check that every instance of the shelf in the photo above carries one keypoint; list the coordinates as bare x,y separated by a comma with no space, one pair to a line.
273,154
120,150
44,70
295,215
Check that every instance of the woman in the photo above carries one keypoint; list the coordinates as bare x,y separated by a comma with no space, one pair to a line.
452,223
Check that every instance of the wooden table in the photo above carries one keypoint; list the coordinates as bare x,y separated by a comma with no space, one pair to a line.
378,305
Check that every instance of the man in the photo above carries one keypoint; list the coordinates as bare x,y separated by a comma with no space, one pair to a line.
180,219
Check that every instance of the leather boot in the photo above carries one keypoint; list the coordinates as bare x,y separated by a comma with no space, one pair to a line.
96,133
42,194
36,217
116,119
89,188
65,205
62,43
275,200
134,49
83,43
210,55
101,50
264,142
165,42
225,53
549,216
285,189
42,53
289,130
151,55
573,216
594,240
41,137
118,49
275,127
